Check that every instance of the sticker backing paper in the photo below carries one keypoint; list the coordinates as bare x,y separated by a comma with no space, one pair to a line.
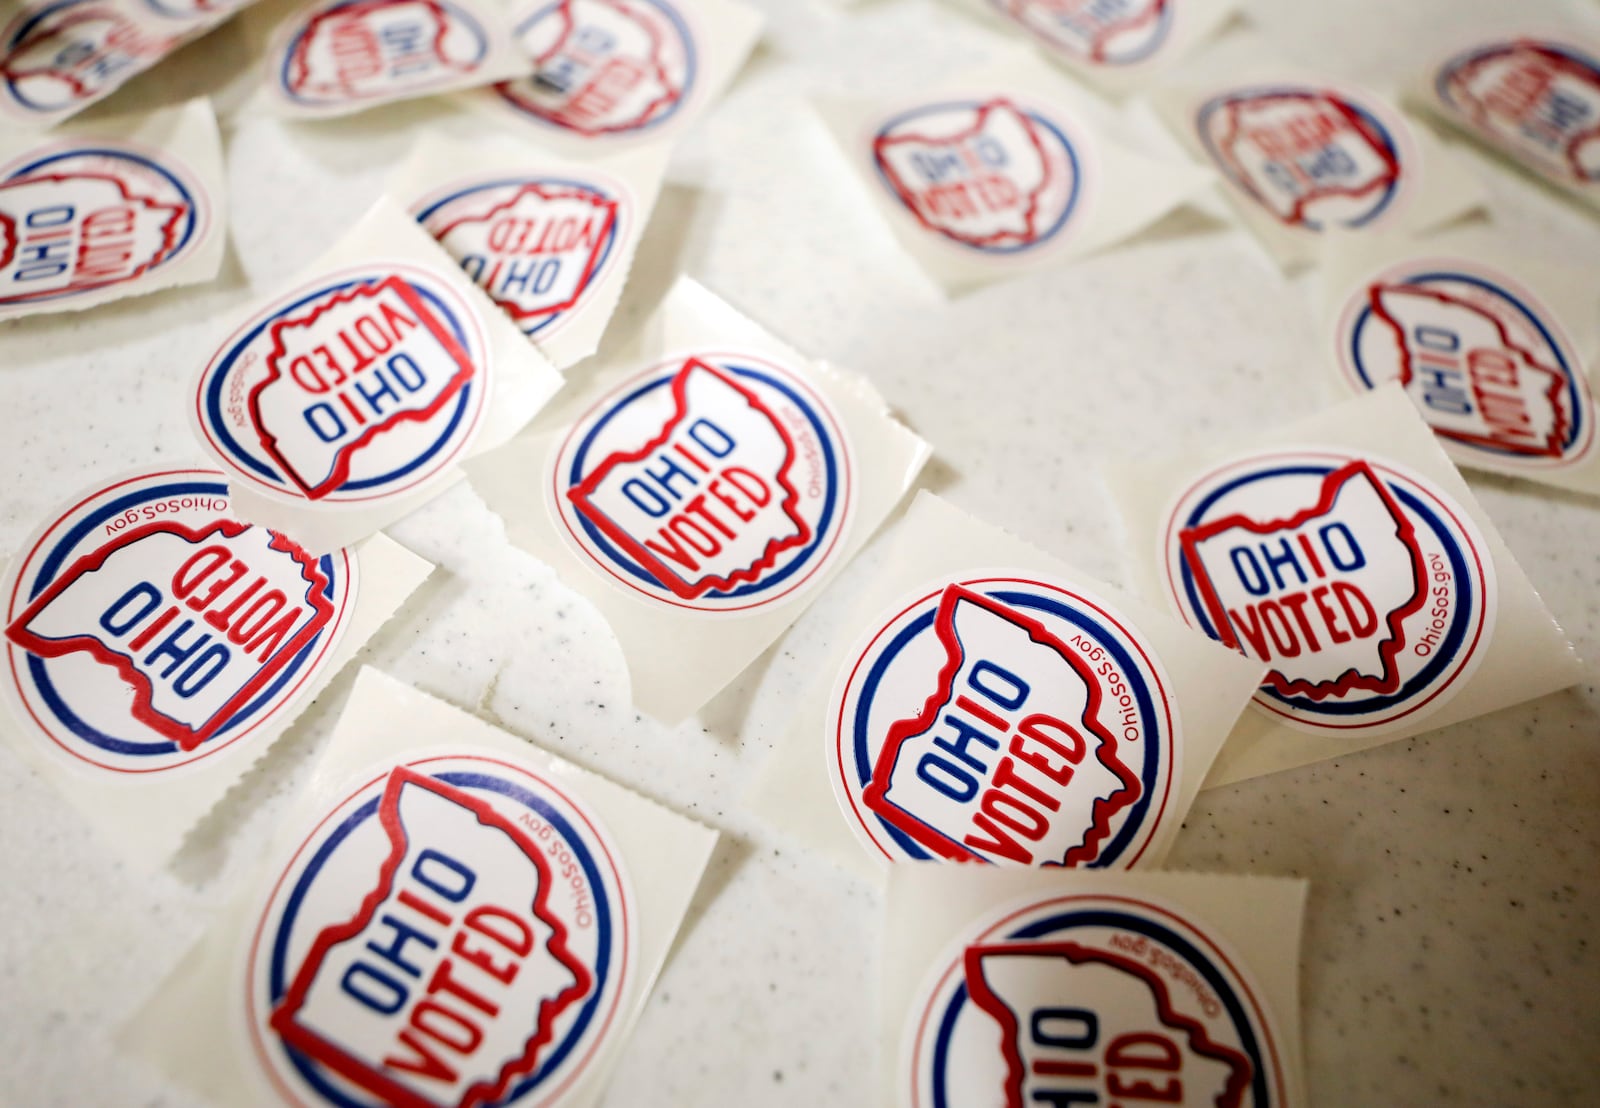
991,705
1304,159
1493,349
94,212
1021,987
700,491
157,646
615,73
1347,553
450,915
551,241
1003,172
333,57
348,399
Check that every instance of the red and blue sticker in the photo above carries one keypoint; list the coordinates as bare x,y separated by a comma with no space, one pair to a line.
1007,720
1368,592
1095,32
535,244
1092,1000
604,67
455,932
1312,158
1484,361
353,52
991,176
1540,99
357,386
80,218
146,629
58,57
716,482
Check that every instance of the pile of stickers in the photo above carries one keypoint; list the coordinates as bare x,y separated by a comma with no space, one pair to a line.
452,916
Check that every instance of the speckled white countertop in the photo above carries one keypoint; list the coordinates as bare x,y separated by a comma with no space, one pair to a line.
1451,952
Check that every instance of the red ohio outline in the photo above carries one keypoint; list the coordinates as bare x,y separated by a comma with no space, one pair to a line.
1191,537
875,797
1353,121
301,77
907,195
689,590
1019,10
1558,433
1555,61
342,457
511,308
139,49
1241,1071
8,239
169,235
348,1065
143,708
558,116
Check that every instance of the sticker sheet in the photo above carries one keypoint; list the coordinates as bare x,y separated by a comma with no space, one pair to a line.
700,491
94,212
157,647
1119,47
59,56
1022,987
1530,91
1347,553
615,73
1493,348
451,915
550,240
1304,159
1003,172
995,706
348,398
334,57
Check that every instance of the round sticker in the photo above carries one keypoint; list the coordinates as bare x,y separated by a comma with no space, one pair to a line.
990,175
456,930
1487,365
1004,719
1312,158
1538,98
355,51
715,482
1367,591
146,629
536,245
78,218
1085,999
604,67
1092,32
360,385
58,57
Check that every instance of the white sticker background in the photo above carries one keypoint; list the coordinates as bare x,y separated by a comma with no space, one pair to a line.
621,72
1500,348
1525,656
1119,55
933,912
936,544
83,51
149,197
145,815
512,383
539,250
1507,79
334,57
710,646
1388,174
1003,171
194,1028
